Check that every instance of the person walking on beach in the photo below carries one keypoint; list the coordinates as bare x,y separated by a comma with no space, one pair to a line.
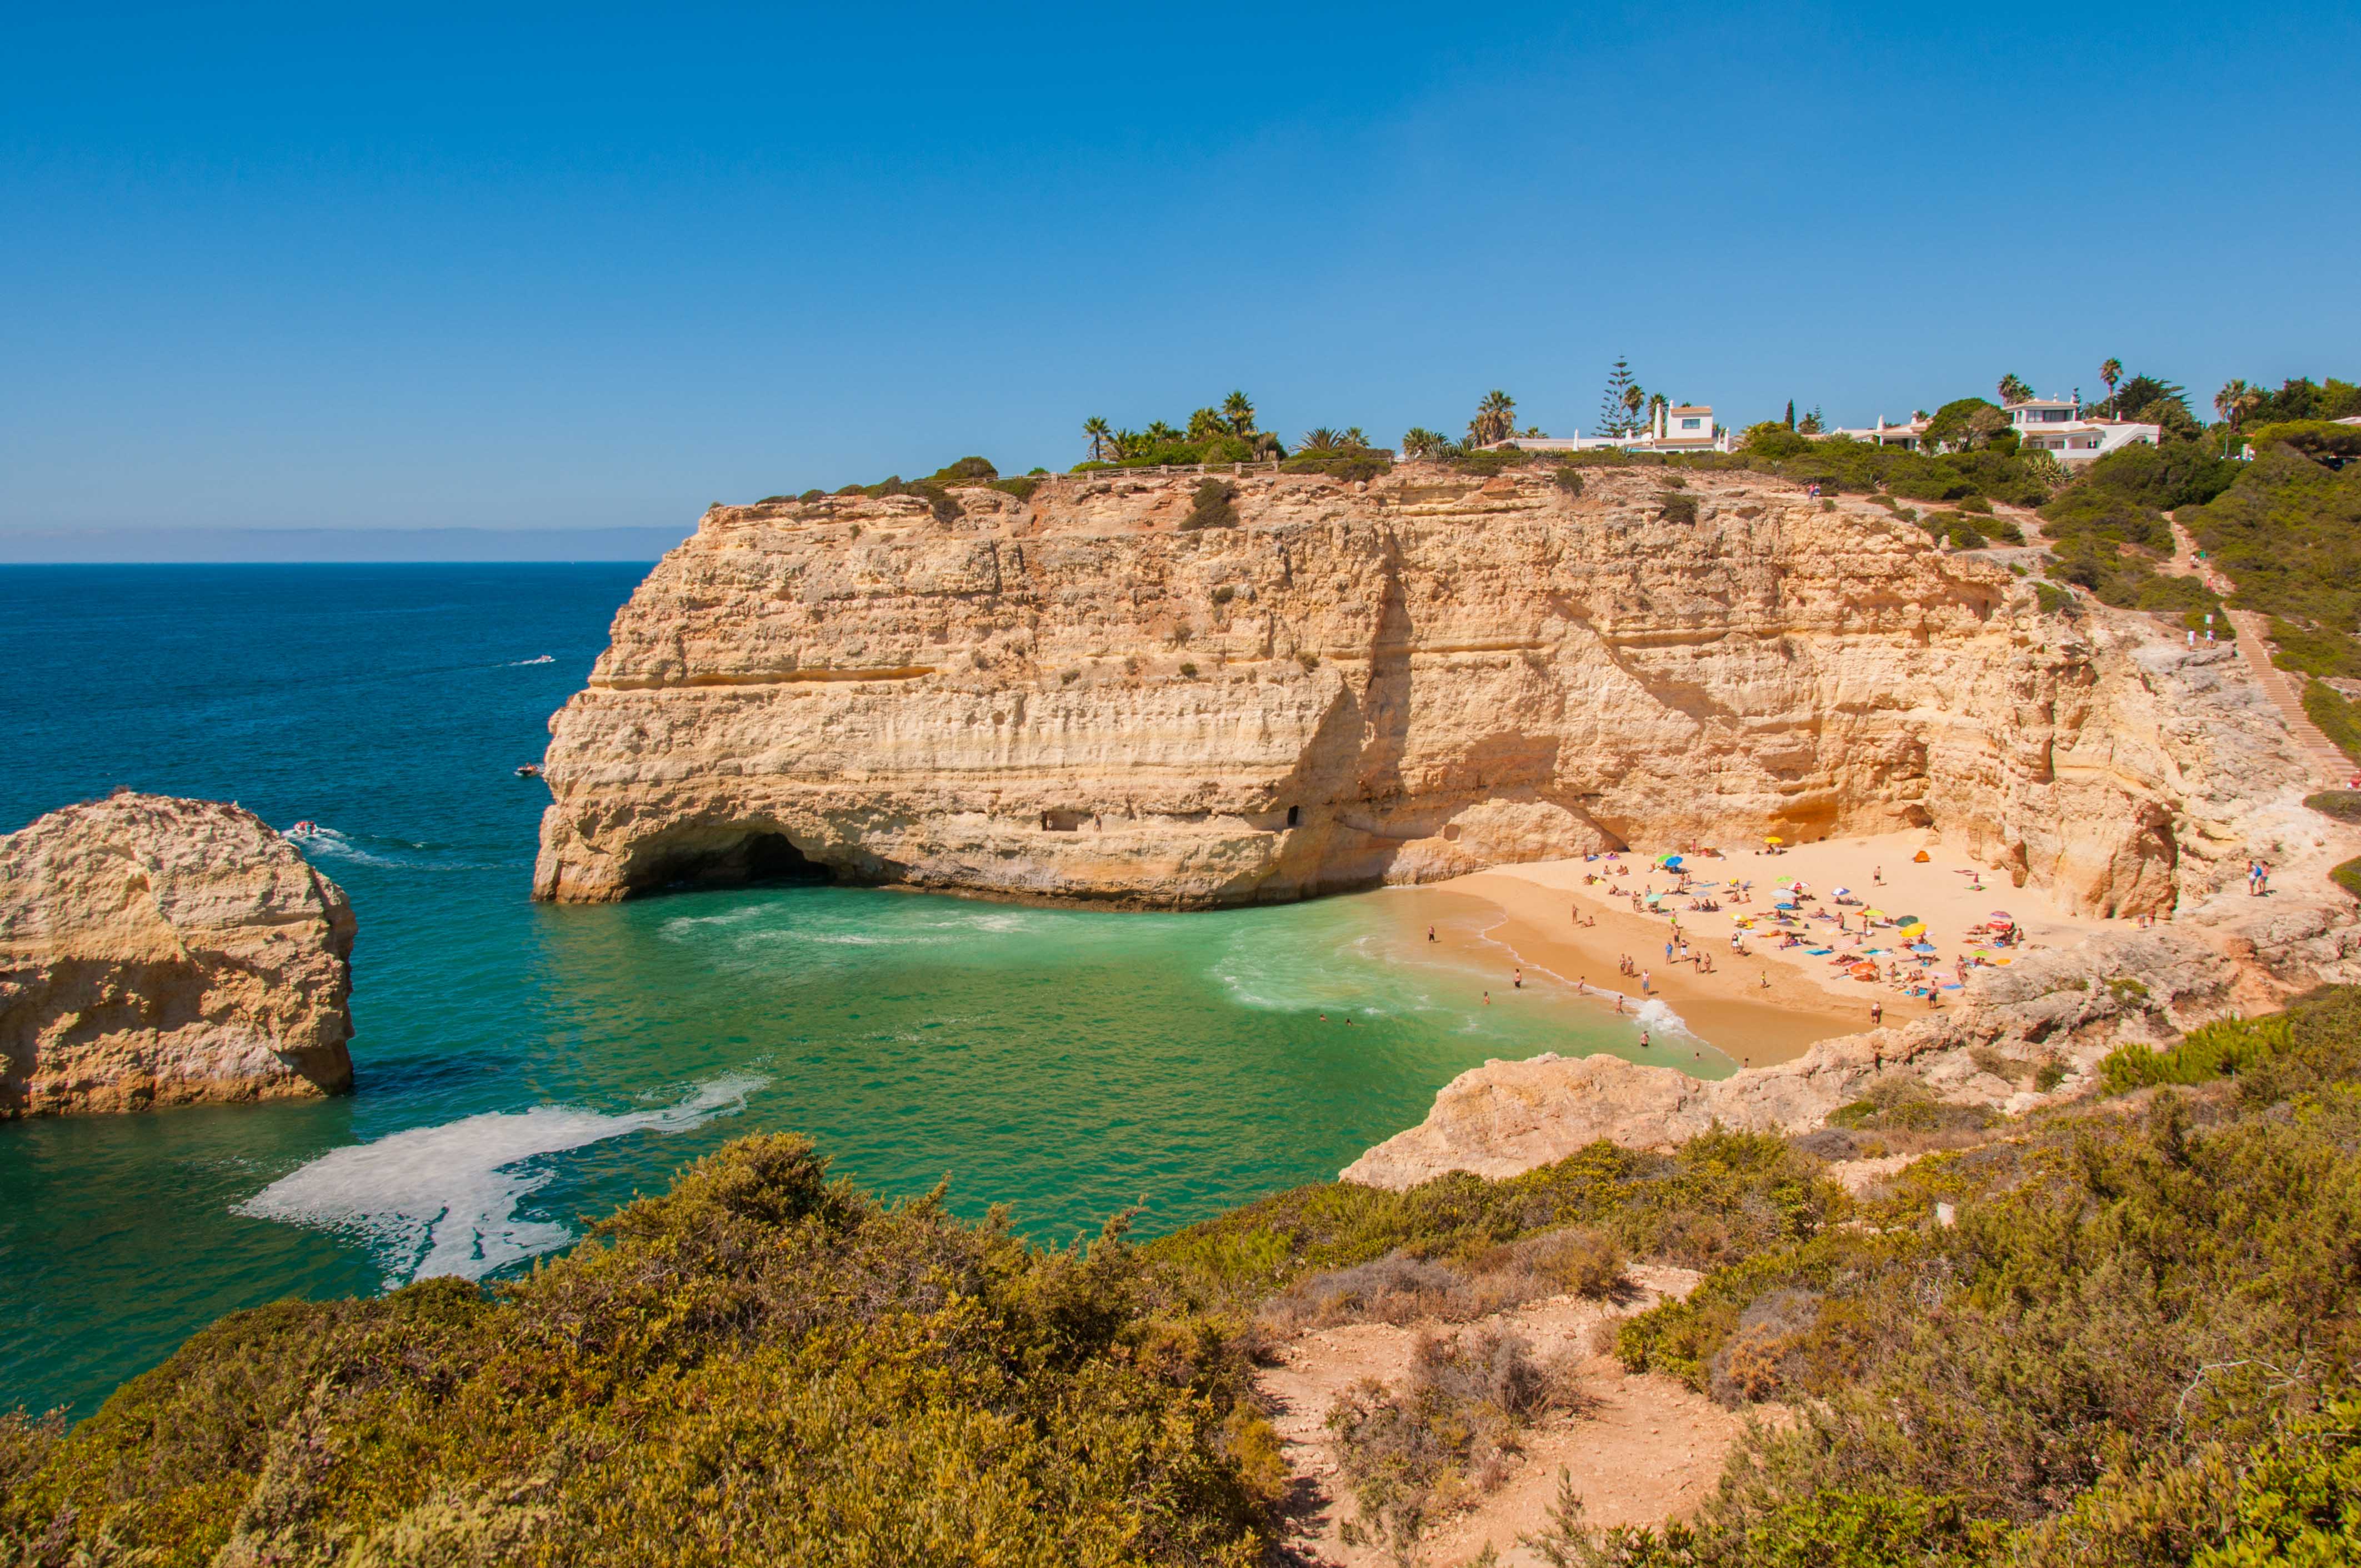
1518,980
1644,979
1429,933
1877,1013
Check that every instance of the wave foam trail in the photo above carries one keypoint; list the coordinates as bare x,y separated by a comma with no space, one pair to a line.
442,1200
544,659
1655,1017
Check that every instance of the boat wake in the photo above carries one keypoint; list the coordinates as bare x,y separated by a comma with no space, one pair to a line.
316,841
520,663
444,1199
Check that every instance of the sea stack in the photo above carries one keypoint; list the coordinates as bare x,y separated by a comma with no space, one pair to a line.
160,951
1086,692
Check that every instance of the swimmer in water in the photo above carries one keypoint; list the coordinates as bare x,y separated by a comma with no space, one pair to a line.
1644,1039
1518,982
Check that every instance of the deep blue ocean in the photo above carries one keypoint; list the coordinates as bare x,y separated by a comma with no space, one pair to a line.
519,1067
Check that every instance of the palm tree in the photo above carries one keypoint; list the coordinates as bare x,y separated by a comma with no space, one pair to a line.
1207,424
1239,409
2014,390
2111,373
1101,438
1127,444
1322,440
1161,433
1494,421
1420,442
1353,437
2233,402
1634,399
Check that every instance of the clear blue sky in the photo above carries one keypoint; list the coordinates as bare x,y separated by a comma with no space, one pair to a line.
591,267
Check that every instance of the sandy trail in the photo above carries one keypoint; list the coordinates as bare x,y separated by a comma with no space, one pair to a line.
1645,1448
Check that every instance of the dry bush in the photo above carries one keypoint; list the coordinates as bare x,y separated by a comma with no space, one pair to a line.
1444,1440
1400,1288
1396,1289
1757,1361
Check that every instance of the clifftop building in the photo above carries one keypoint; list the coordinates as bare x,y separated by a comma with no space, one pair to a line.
1678,427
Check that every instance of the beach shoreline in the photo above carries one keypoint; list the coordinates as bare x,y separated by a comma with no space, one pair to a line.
1767,1004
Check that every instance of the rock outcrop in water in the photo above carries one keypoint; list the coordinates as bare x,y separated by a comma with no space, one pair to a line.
158,952
1076,695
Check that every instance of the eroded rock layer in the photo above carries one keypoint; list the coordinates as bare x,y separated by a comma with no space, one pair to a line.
1076,695
157,951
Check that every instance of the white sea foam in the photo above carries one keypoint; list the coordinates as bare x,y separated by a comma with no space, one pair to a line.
1657,1018
544,659
442,1200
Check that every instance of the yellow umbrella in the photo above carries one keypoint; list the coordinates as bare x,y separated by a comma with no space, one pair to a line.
1774,838
1872,914
1915,929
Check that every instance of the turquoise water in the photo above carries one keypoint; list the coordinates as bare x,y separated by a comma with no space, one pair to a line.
518,1067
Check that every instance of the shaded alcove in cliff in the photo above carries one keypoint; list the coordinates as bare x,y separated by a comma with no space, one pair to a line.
724,857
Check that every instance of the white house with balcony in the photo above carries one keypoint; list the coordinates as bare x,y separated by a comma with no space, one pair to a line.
1676,427
2055,425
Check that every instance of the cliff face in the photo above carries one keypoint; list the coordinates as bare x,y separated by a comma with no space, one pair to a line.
157,951
1077,696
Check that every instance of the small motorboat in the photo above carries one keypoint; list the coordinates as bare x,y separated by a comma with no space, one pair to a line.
307,828
529,770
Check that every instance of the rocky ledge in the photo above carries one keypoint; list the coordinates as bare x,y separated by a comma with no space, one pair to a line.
160,951
1079,695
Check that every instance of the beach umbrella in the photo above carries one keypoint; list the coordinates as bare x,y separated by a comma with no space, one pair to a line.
1844,893
1654,897
1672,861
1914,929
1774,838
2001,918
1872,914
1905,920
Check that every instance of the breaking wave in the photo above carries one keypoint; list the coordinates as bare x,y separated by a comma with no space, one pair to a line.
442,1200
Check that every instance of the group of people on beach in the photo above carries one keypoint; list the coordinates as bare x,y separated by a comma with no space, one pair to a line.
2258,878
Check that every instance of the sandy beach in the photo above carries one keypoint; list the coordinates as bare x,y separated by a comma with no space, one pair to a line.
1808,996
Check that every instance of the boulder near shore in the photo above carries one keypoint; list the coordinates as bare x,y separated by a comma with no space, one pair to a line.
160,951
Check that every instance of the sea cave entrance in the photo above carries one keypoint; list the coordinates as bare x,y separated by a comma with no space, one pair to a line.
739,856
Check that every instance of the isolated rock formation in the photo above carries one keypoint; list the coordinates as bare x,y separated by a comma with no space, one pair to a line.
158,952
1075,696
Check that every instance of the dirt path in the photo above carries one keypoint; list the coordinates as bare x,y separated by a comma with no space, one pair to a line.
2330,768
1642,1450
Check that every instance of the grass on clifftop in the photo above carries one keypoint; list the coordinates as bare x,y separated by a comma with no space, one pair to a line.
2089,1338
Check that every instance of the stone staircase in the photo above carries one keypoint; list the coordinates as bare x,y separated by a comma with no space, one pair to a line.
2330,768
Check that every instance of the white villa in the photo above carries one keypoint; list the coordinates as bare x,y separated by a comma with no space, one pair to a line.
1678,427
2054,425
2057,426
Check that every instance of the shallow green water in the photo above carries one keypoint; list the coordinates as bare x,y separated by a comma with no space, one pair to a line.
519,1067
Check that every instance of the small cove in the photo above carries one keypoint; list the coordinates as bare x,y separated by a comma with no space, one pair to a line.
519,1066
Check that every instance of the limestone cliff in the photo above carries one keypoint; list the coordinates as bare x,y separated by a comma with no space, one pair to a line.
1075,696
155,951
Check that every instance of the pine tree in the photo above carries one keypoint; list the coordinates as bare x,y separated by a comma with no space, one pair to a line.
1791,413
1615,408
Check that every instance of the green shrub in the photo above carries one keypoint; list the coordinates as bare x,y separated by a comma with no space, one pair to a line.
2222,1049
1976,504
2315,649
760,1366
1022,488
1350,466
1569,480
2337,715
2318,439
812,495
2344,805
1212,506
1675,506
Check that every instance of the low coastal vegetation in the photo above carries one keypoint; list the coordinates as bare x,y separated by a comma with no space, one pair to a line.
2120,1332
